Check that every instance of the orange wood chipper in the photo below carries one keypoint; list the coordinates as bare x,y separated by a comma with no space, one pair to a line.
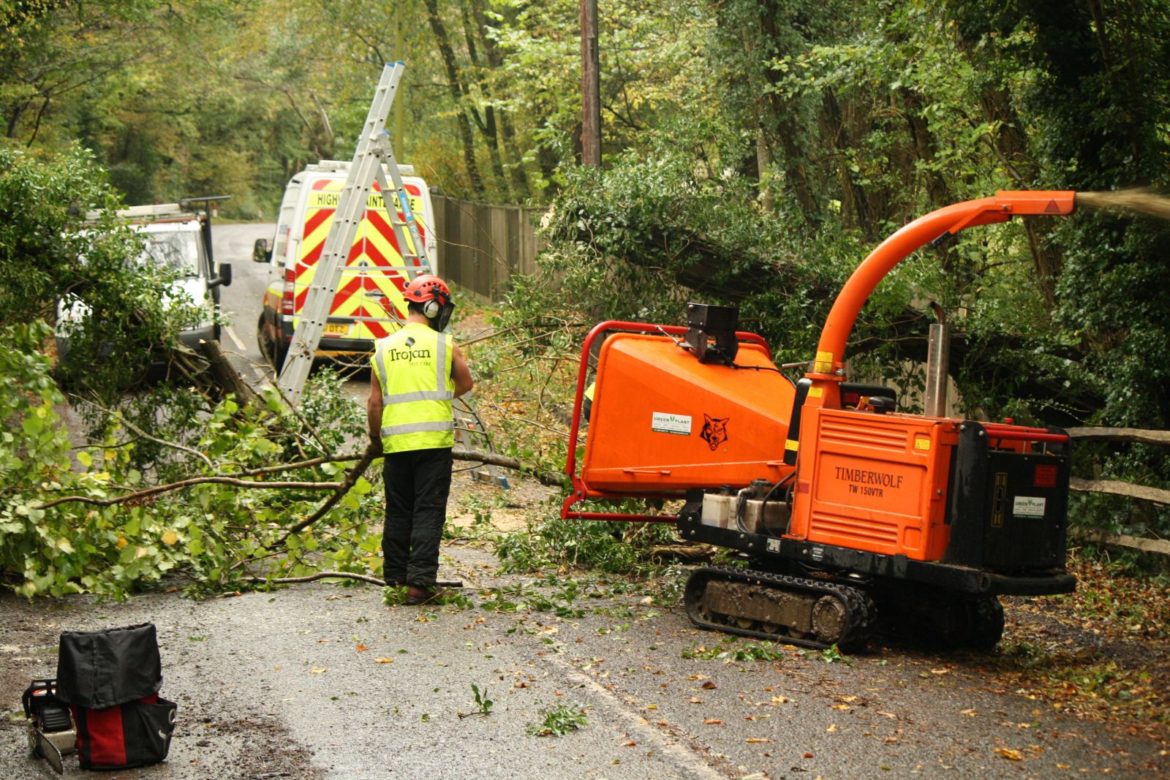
852,517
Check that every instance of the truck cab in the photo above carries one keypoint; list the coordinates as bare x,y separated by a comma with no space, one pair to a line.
177,237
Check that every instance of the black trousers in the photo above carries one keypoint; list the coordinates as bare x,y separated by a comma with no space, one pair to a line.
417,485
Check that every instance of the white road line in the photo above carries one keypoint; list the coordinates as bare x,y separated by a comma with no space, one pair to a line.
232,335
675,750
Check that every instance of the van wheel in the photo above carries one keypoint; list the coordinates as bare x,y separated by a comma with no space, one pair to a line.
280,352
261,342
267,345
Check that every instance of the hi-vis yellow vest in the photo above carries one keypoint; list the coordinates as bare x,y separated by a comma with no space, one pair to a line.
413,367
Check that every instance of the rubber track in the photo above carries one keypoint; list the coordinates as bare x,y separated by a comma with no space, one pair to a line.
860,607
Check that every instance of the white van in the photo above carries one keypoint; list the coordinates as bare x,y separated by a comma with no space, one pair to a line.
178,237
368,304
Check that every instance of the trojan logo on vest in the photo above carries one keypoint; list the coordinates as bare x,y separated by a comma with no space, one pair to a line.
419,353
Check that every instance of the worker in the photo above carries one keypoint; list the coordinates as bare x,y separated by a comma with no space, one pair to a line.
587,404
417,372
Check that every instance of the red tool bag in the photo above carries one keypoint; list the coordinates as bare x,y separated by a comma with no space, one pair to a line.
111,679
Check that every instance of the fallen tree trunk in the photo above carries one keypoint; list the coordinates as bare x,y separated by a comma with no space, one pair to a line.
226,376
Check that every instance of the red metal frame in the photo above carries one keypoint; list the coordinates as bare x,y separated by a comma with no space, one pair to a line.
1010,432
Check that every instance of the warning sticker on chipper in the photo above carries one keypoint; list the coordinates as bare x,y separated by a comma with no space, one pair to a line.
678,424
1028,506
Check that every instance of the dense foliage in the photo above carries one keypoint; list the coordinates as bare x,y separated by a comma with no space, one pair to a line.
823,127
65,262
91,519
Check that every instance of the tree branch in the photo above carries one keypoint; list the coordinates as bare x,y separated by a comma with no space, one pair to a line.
341,488
186,483
174,445
492,459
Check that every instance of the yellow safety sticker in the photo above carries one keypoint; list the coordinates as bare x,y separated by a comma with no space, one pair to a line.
823,363
331,199
816,392
791,444
921,443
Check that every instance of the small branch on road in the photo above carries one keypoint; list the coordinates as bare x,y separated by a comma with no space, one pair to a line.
321,575
346,575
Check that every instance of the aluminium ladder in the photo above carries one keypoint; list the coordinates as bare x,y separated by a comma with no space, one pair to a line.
373,158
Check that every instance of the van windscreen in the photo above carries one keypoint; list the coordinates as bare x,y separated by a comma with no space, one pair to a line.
174,250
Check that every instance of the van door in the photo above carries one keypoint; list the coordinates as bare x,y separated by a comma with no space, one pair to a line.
368,303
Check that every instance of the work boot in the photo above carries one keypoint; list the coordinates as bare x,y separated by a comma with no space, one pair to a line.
416,595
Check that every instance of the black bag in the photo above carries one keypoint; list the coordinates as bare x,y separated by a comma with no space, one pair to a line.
111,680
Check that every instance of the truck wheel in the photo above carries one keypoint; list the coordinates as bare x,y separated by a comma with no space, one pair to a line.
269,348
281,353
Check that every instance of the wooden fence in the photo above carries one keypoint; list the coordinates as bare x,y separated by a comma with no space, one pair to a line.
482,246
1116,488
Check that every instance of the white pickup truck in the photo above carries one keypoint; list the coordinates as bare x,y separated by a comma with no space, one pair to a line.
178,237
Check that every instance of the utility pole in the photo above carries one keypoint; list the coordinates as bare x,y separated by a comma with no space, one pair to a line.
590,86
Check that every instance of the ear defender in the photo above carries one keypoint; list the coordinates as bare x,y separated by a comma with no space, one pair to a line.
434,297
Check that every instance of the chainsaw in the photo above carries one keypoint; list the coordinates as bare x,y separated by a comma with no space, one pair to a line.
51,732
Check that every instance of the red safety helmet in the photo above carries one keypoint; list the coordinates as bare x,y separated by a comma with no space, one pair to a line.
427,287
432,292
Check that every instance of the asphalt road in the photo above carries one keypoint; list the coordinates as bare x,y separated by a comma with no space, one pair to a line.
321,681
241,300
